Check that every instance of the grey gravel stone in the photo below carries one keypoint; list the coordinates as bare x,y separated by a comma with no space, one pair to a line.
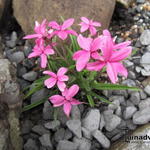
75,113
131,75
111,120
145,37
129,82
59,135
144,104
17,57
129,111
142,116
118,111
52,125
101,138
12,42
28,63
30,76
91,120
102,122
140,1
30,145
68,134
45,141
39,95
27,48
83,144
129,103
143,95
147,90
27,126
112,133
145,72
47,111
86,133
21,70
39,129
138,69
128,63
130,125
115,104
135,98
75,127
145,59
66,145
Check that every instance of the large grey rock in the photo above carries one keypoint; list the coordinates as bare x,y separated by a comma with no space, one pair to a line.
142,116
52,125
134,144
147,90
45,141
111,120
115,104
39,95
12,42
47,111
86,133
145,37
101,138
92,120
75,113
83,144
30,76
68,134
135,98
129,111
40,130
75,127
59,135
26,127
144,104
145,59
30,145
66,145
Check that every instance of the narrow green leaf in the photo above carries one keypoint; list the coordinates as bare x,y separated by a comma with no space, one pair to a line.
108,86
90,100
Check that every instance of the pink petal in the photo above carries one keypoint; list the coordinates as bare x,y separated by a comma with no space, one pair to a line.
63,78
61,71
72,91
62,35
67,23
67,108
33,54
49,51
52,74
61,85
92,30
106,33
96,55
95,66
75,102
121,69
32,36
71,32
57,100
54,25
64,93
77,54
84,19
82,61
84,27
84,43
96,44
43,61
49,83
122,45
97,24
112,72
121,54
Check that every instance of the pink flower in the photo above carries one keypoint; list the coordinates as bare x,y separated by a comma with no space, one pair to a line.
58,79
89,46
40,31
87,24
61,30
66,99
42,51
112,54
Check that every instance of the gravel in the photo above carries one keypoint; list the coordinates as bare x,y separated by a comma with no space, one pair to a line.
86,133
147,90
135,98
145,37
91,120
59,135
30,76
30,145
52,125
101,138
144,104
75,127
129,111
39,129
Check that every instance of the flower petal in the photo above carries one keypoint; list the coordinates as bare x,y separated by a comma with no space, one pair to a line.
72,91
67,108
32,36
57,100
61,85
85,20
95,66
67,23
97,24
33,54
54,25
62,35
82,61
61,71
52,74
84,43
71,32
111,72
77,54
92,30
84,27
63,78
121,54
49,83
48,50
75,102
95,45
122,45
43,61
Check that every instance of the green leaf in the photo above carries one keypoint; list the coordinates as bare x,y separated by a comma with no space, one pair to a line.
90,100
108,86
35,104
100,98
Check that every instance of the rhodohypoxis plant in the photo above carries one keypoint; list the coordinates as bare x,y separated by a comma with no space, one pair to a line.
76,64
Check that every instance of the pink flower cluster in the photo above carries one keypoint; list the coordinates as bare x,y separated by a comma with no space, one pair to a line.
95,53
